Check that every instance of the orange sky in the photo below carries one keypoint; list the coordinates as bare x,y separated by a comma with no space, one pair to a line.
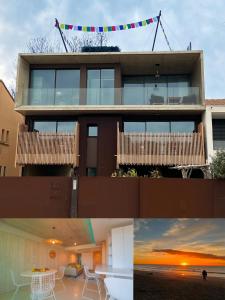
169,259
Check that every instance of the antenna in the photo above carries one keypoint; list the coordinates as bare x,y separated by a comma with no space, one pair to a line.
60,31
156,31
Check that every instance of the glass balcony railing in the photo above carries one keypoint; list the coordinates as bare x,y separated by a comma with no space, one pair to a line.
111,96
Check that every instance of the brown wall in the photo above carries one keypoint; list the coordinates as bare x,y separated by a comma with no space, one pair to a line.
35,197
106,144
9,121
144,197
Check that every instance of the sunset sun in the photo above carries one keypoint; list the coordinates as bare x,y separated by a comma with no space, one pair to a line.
183,263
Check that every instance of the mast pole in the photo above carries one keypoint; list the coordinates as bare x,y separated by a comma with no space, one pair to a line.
60,31
156,31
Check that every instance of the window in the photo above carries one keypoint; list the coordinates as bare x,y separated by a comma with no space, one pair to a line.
160,126
183,126
67,87
92,131
100,87
134,126
55,126
66,127
91,171
218,134
157,127
45,126
49,87
152,90
42,87
2,170
7,137
3,136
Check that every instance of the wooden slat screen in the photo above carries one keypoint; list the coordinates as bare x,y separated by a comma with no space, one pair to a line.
47,148
160,148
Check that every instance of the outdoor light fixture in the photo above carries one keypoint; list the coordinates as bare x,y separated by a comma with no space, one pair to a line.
157,75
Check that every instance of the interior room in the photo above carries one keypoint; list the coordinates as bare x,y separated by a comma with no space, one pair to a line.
66,259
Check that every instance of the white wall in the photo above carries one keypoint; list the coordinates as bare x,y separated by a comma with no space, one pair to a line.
122,247
87,259
212,112
20,252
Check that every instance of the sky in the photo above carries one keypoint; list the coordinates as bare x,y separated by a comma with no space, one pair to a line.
180,242
200,21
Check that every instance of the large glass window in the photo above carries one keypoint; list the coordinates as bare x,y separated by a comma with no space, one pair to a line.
55,126
100,87
67,87
151,90
42,87
134,126
160,126
156,126
49,87
218,134
183,126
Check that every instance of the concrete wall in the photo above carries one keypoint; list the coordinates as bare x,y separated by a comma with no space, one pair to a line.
143,197
9,121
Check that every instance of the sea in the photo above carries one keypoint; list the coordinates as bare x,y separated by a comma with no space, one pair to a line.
213,271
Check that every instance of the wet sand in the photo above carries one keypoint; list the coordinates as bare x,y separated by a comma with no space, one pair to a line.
175,286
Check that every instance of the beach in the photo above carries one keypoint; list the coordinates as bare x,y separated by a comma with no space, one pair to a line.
155,285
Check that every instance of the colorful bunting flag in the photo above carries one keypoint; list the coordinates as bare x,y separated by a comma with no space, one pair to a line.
109,28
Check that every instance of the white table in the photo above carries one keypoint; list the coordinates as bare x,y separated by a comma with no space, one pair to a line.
114,272
30,273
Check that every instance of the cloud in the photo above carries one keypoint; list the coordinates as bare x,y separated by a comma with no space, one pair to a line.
190,254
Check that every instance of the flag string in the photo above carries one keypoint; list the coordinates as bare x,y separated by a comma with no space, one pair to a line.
108,28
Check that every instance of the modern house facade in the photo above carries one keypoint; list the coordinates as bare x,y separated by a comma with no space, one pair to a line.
215,126
89,114
9,125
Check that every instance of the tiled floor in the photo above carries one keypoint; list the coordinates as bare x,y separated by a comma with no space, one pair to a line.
68,290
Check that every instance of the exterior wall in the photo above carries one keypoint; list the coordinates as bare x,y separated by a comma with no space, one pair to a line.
144,198
212,112
39,197
106,143
9,121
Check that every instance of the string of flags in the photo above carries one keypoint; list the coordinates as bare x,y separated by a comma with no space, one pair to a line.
108,28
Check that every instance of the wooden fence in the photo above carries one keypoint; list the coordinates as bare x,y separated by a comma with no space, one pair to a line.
160,148
47,148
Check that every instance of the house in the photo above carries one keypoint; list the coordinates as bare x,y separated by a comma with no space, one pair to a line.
67,249
89,114
215,126
9,125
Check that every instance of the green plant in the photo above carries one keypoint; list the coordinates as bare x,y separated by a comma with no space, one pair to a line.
132,173
155,173
217,165
120,173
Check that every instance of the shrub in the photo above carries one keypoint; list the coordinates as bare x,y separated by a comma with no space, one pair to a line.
218,165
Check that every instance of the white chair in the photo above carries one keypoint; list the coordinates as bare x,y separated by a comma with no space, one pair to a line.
42,286
17,285
60,274
119,288
91,276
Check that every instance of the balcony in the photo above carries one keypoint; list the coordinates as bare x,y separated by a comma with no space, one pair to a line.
160,149
128,96
38,148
